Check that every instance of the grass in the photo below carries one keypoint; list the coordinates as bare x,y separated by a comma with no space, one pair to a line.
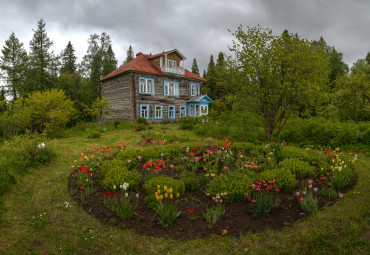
339,229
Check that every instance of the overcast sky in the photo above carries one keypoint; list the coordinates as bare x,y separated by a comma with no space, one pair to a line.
197,28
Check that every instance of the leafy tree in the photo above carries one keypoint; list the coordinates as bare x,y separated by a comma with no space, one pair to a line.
13,63
367,59
68,59
337,67
43,63
130,55
274,73
97,57
50,111
98,110
352,98
194,67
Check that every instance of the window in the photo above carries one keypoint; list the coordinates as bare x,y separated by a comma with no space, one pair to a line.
171,63
144,111
158,112
171,111
146,86
191,110
196,110
171,88
203,110
194,89
182,111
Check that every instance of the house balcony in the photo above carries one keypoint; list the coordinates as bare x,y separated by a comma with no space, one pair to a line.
173,70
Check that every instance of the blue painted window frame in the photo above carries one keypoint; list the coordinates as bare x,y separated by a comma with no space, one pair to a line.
164,89
174,112
141,106
196,89
182,107
155,111
146,93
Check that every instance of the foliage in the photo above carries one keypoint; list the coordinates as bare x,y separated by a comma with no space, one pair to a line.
188,122
50,111
151,186
139,126
284,178
68,59
261,204
290,70
307,201
130,55
165,208
194,67
300,168
190,180
117,173
236,185
43,63
13,64
213,214
142,120
148,153
94,135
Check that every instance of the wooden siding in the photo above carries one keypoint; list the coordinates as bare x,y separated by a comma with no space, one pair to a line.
117,92
159,97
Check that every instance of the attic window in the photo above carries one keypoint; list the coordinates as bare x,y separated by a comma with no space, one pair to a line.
171,63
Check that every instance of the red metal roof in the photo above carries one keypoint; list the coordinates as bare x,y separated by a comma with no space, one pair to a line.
142,64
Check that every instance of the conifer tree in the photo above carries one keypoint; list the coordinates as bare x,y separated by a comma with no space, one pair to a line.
42,60
194,67
209,86
13,64
109,61
68,59
130,55
204,74
367,59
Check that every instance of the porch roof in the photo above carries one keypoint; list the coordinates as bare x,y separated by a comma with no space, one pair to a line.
200,99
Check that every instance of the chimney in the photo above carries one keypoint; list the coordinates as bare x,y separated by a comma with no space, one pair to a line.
138,54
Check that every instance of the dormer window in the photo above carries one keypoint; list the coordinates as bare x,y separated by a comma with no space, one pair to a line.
171,63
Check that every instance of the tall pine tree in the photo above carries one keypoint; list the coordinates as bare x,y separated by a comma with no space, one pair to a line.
42,60
194,67
68,59
367,59
109,61
209,86
130,55
13,63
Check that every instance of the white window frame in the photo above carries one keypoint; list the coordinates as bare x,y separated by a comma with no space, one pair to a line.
146,86
171,63
192,110
201,113
144,113
171,88
171,111
194,89
156,107
182,111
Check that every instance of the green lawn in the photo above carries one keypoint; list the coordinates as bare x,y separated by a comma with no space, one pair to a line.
37,221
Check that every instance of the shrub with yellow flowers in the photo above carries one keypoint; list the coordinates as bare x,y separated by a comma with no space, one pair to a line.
166,208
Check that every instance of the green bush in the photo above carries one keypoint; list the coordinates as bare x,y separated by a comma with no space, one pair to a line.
299,153
190,180
247,148
187,122
236,185
148,153
117,175
127,154
284,178
139,126
298,167
94,135
171,150
116,123
107,165
142,121
177,186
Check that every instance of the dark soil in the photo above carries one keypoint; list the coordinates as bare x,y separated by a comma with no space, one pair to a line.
236,220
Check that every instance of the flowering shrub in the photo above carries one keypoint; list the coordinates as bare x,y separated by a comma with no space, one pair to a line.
83,179
284,177
178,186
153,168
120,174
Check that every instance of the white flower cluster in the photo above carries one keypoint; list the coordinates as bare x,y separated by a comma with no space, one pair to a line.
124,186
41,145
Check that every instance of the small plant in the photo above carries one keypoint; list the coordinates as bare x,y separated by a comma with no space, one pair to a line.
261,201
117,123
213,214
94,135
123,205
165,208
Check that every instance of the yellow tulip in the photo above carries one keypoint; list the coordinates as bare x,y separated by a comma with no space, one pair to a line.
158,187
171,196
161,197
177,195
212,175
165,195
170,190
159,192
158,197
207,175
165,188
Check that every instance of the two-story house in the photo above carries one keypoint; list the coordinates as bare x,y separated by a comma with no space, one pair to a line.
156,87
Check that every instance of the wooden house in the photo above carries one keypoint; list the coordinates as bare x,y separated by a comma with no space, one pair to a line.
156,87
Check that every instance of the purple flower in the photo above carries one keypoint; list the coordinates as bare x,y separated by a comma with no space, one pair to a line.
309,186
297,193
340,195
310,181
